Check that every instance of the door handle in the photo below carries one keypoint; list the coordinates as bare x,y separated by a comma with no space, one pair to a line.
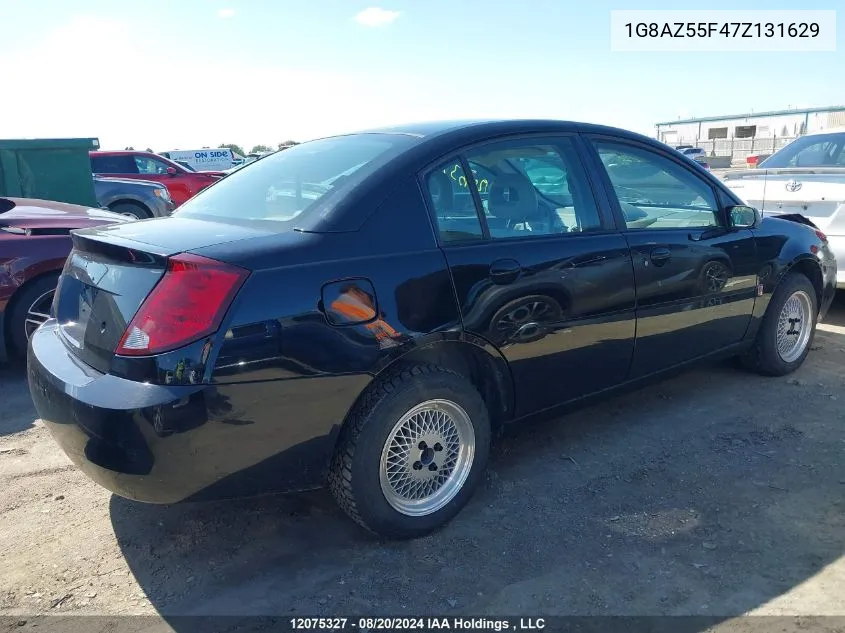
660,256
505,271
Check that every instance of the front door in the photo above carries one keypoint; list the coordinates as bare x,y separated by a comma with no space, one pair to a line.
696,279
539,270
177,184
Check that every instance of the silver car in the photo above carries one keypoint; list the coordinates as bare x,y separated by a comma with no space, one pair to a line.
806,177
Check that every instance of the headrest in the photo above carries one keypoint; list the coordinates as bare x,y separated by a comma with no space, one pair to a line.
811,159
512,196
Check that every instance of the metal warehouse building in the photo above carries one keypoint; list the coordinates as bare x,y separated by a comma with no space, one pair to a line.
732,137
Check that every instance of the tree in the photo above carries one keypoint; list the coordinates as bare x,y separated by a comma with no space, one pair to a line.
261,148
287,144
132,149
235,148
150,151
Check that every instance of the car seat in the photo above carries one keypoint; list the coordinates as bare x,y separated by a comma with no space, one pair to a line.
515,207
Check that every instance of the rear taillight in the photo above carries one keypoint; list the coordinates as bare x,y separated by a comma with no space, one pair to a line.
188,303
821,236
752,161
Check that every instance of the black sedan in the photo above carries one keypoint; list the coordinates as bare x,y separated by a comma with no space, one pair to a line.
367,310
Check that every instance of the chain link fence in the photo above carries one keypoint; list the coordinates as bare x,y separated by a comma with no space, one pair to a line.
727,152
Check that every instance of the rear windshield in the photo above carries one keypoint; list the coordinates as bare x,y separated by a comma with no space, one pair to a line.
289,189
818,150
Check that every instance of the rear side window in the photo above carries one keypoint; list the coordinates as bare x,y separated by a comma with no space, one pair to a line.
527,188
123,164
292,189
451,199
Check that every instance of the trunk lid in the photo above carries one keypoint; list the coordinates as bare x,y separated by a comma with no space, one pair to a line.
43,216
110,272
817,193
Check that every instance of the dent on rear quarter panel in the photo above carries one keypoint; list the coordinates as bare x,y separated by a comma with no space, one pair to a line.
286,376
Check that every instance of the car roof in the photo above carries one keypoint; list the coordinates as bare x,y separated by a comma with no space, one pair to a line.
429,129
119,152
462,132
427,142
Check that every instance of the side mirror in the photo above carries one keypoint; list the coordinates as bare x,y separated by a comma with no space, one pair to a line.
742,217
172,171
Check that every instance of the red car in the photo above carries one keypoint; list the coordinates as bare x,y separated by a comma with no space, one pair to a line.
34,244
180,182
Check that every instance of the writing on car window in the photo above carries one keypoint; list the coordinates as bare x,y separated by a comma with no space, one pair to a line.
456,174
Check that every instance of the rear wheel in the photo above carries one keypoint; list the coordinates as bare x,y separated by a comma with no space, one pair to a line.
131,210
31,308
788,328
412,452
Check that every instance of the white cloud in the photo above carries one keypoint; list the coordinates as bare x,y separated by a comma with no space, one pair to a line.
225,13
375,16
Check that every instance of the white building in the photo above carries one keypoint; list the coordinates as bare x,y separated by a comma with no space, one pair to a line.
760,125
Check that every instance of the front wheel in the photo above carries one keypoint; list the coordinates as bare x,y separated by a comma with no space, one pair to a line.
412,452
788,328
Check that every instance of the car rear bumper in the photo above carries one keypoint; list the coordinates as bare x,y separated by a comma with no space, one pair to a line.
165,443
162,208
836,243
4,355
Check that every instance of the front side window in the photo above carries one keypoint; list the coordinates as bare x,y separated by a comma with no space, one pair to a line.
654,191
147,165
536,188
296,187
826,150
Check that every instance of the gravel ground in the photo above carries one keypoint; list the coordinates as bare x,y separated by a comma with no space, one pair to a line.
715,493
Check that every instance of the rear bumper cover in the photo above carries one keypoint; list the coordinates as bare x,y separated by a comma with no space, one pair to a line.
162,209
165,444
836,243
4,355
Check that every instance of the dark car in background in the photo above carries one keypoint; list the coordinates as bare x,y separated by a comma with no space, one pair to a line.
135,165
134,198
366,310
34,244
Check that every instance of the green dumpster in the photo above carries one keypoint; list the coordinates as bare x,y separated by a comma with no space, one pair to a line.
50,169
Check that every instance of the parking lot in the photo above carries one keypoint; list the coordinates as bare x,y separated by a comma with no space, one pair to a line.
717,492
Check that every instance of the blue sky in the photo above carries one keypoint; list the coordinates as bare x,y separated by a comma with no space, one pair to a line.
179,73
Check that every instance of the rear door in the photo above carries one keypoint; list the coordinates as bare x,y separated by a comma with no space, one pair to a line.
540,271
122,165
696,279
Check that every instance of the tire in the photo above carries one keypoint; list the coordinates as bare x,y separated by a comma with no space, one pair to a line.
765,357
19,326
132,210
359,478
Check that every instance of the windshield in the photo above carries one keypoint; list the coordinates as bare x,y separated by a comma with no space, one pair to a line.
287,189
817,150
